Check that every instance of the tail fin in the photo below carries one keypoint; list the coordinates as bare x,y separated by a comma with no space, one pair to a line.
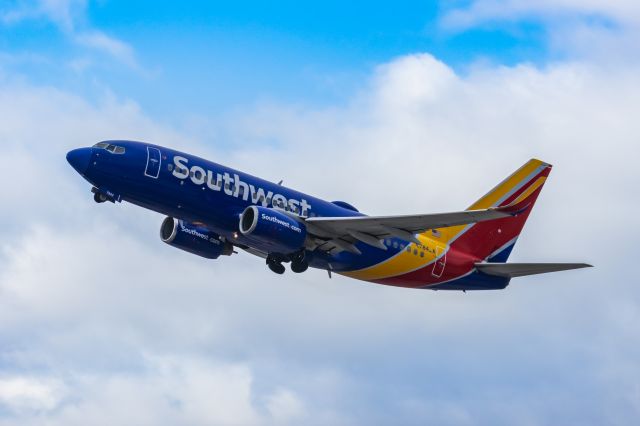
493,240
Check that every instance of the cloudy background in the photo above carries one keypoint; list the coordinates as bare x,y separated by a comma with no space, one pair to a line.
396,109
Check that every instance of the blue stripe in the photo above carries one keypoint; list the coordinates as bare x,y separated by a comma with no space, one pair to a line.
474,281
502,256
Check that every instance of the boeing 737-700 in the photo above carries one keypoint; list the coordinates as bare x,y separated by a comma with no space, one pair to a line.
212,209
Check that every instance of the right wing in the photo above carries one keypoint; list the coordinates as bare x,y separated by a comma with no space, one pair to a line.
522,269
340,233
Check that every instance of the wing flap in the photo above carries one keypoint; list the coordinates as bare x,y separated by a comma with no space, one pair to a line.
512,270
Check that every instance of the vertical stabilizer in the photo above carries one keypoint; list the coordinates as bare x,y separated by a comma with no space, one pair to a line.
494,240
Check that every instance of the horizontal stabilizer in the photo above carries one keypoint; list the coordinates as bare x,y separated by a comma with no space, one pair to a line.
521,269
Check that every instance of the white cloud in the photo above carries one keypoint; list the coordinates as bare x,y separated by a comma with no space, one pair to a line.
69,17
115,48
622,11
135,329
23,395
597,30
285,407
63,13
171,391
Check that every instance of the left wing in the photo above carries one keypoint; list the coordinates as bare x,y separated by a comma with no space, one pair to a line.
339,233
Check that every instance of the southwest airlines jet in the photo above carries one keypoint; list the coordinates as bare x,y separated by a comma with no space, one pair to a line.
212,210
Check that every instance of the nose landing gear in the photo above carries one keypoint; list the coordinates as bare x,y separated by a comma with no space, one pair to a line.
102,195
99,197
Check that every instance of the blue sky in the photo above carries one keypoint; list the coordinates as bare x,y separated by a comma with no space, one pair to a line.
212,56
395,107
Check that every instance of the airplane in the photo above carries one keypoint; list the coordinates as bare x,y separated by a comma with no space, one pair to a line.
211,210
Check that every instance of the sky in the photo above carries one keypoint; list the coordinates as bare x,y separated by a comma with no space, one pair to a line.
396,107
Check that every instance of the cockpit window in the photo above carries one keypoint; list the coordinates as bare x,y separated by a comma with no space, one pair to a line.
114,149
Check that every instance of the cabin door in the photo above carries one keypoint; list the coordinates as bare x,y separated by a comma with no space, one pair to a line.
153,162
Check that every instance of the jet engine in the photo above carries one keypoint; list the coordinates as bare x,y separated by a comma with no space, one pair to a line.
273,230
192,238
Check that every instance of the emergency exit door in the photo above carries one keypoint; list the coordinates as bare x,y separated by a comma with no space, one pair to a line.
440,263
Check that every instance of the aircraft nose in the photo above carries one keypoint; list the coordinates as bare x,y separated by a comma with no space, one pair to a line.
79,159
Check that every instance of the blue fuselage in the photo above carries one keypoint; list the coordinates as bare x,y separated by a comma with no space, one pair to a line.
190,188
212,209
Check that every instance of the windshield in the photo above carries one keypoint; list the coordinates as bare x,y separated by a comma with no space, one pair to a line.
114,149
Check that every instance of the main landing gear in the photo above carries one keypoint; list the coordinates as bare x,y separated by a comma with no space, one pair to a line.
298,261
275,265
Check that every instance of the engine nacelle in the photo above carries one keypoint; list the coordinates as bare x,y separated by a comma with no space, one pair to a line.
196,239
273,230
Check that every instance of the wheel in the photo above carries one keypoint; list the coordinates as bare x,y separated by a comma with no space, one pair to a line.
299,262
99,198
299,266
276,267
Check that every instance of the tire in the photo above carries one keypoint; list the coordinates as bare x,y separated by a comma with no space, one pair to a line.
299,267
276,267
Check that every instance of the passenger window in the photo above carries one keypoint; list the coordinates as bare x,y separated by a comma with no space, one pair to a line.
170,167
421,254
415,252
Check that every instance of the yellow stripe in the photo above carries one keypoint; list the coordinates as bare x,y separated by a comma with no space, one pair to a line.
406,261
493,196
537,184
496,194
402,262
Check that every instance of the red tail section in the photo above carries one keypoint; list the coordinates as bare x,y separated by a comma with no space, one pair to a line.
493,240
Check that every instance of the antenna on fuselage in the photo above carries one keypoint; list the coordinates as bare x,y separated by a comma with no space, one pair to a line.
280,183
